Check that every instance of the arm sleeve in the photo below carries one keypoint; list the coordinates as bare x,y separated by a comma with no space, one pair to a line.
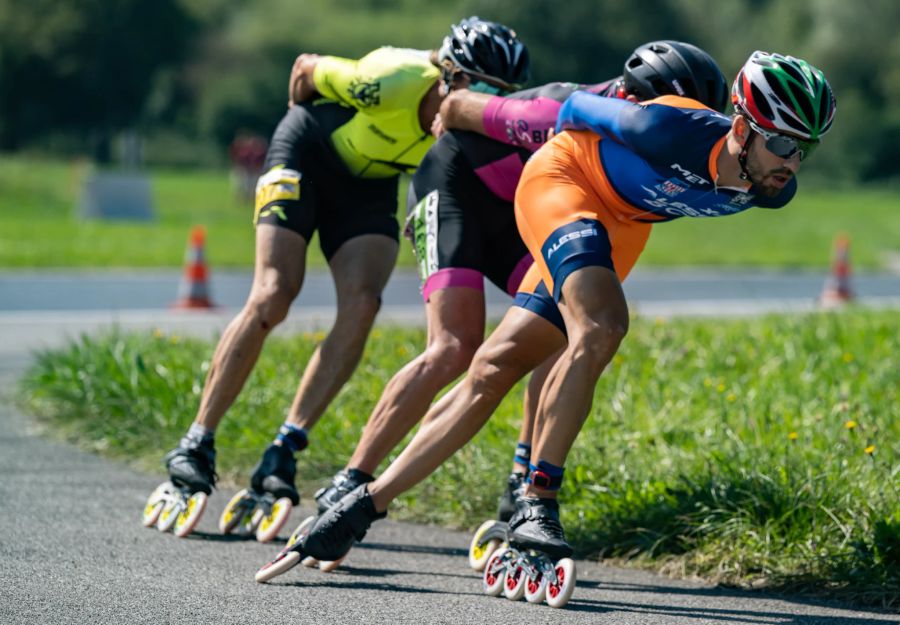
333,77
522,123
585,111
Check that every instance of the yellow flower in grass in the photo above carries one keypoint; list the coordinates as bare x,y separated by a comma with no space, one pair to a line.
870,449
174,339
848,357
851,424
793,436
707,382
158,333
731,397
720,388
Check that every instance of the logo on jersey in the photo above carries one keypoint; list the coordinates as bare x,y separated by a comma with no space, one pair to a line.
689,175
670,187
366,93
741,199
571,236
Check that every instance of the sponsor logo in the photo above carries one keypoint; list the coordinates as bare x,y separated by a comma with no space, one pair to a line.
366,93
380,133
670,188
688,175
741,198
571,236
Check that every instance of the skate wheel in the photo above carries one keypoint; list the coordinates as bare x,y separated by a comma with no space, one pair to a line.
154,506
271,524
247,525
168,515
233,513
310,562
283,562
329,566
188,518
514,584
480,550
494,574
536,589
302,530
558,594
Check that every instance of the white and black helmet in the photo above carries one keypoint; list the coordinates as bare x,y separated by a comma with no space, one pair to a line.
488,51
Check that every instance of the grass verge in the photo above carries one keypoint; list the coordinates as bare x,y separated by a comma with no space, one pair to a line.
756,452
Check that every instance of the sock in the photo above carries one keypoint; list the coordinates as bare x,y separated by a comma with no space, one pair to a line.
292,437
200,433
545,475
523,454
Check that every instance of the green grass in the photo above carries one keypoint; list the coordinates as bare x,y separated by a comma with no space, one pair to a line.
39,226
754,452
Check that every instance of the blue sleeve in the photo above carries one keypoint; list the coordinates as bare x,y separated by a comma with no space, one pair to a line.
586,111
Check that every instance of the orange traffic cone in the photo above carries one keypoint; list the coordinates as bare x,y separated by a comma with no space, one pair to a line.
836,290
193,292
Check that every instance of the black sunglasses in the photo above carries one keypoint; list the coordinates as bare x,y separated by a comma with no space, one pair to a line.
784,146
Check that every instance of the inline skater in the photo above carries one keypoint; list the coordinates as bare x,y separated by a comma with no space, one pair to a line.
585,207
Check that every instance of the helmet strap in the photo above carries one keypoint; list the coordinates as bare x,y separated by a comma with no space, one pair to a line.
742,157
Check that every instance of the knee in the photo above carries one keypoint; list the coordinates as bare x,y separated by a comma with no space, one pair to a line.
598,340
269,303
449,357
360,307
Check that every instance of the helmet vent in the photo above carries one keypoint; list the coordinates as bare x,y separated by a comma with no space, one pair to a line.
802,98
790,120
761,103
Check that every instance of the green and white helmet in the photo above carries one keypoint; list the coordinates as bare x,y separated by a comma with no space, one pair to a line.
784,94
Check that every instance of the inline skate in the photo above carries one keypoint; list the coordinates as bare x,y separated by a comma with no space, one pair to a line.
536,563
263,509
491,535
178,503
330,536
341,484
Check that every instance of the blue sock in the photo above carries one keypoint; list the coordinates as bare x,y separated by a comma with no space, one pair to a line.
523,454
292,437
545,475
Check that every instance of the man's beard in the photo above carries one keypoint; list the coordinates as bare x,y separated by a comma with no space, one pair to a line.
759,180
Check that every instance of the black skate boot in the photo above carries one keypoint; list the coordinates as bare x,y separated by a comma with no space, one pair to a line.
515,486
276,474
337,529
535,526
192,465
342,483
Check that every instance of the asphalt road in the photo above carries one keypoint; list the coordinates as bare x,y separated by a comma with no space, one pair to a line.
73,551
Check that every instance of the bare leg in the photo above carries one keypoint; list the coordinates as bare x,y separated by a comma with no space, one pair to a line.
530,404
521,342
277,278
455,330
361,268
596,315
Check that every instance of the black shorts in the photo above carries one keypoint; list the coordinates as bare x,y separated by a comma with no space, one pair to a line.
460,230
306,186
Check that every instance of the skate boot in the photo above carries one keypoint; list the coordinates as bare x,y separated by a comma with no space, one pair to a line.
491,535
536,564
179,503
264,508
342,483
331,536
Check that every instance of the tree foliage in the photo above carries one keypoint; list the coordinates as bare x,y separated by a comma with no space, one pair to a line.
206,69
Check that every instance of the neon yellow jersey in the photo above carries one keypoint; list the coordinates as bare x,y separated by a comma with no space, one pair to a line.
385,87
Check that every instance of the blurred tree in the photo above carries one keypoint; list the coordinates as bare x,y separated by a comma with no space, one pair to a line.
83,66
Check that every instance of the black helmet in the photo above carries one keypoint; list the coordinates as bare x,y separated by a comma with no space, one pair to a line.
675,68
488,51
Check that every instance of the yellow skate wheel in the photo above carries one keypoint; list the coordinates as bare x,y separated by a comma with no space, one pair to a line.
479,549
559,593
154,506
271,524
302,530
189,517
169,514
233,512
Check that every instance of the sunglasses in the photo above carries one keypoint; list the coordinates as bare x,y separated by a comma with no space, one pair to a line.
784,146
450,74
